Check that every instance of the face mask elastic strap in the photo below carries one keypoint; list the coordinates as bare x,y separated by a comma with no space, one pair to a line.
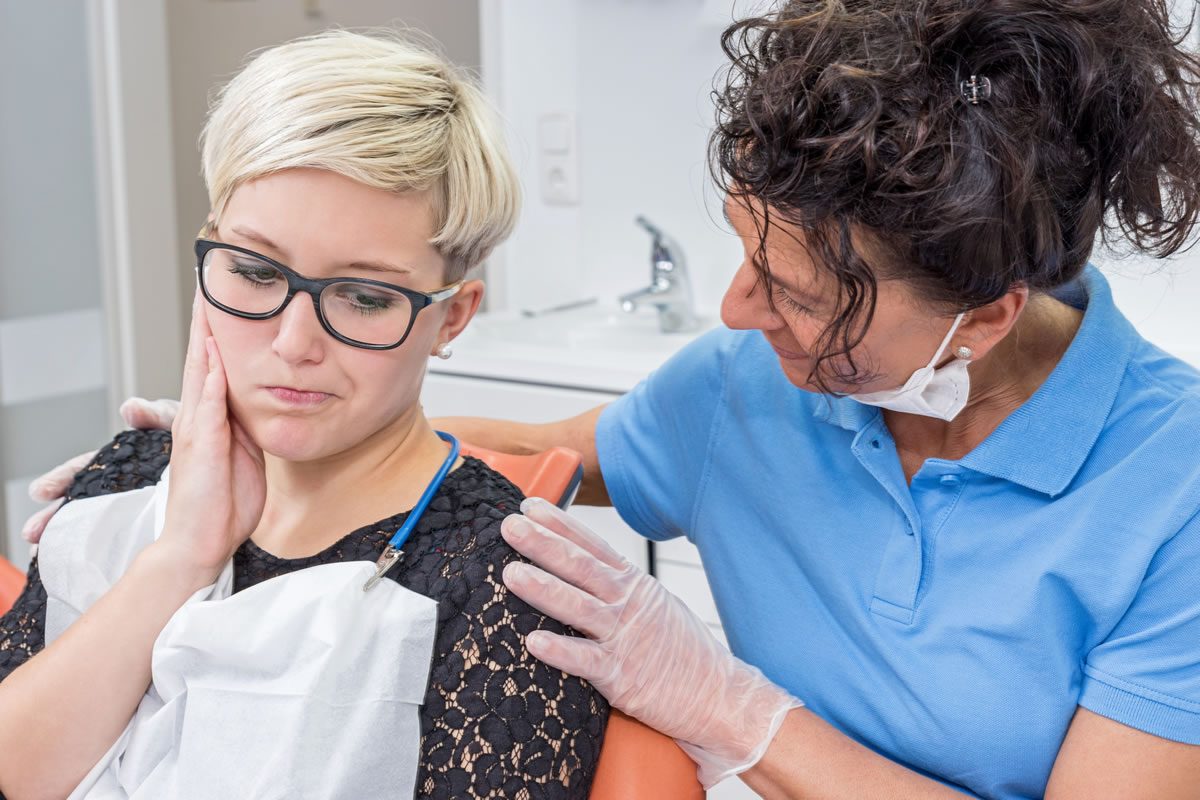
945,342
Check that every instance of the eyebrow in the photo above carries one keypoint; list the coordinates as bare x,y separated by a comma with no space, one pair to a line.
369,266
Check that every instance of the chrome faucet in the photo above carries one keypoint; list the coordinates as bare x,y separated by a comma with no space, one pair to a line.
670,289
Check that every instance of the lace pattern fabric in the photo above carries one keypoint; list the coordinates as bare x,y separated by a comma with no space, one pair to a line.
496,722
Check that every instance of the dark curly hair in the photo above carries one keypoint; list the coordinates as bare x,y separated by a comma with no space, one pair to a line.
849,120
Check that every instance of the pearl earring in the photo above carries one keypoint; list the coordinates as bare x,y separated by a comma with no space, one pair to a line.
443,352
964,352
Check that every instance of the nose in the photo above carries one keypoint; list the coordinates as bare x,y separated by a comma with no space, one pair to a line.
745,306
300,337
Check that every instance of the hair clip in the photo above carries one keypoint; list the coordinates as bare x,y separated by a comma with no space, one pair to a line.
975,90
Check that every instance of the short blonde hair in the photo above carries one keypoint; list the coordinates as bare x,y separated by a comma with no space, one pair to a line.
379,108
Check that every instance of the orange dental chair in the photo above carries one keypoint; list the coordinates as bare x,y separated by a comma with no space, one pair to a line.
636,762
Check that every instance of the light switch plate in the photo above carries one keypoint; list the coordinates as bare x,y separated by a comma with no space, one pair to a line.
558,159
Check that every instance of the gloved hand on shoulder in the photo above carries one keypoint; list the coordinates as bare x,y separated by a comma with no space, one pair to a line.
646,651
51,487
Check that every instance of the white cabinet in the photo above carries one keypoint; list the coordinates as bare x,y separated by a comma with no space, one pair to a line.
677,562
455,395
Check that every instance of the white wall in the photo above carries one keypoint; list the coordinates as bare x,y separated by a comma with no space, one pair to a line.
209,41
53,402
636,75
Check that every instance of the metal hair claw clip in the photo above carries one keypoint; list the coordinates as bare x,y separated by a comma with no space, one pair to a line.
976,89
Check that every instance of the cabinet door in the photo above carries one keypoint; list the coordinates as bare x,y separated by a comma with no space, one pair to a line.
459,396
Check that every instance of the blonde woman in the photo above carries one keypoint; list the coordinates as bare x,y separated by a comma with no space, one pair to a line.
354,182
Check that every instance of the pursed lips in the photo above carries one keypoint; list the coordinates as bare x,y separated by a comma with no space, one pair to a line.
299,397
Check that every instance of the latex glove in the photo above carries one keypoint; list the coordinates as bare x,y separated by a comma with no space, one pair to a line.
149,415
52,487
647,652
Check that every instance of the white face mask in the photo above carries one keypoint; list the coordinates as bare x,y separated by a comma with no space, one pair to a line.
939,393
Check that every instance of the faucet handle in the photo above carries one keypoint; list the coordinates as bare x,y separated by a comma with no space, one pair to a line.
648,226
665,254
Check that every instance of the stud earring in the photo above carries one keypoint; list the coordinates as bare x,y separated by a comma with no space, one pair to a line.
443,352
964,352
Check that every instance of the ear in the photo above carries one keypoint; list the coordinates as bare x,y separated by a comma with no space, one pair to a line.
459,311
985,327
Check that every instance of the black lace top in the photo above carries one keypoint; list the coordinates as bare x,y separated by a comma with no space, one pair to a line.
496,722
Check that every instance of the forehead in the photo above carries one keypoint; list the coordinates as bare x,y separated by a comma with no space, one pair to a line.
786,246
316,221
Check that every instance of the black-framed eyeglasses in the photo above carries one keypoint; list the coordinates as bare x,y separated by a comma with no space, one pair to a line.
358,311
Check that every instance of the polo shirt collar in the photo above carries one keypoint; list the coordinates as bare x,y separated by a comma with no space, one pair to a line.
1043,444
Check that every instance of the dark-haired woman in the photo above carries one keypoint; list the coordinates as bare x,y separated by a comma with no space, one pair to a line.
945,494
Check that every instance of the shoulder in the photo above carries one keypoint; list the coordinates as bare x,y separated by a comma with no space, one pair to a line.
720,367
457,547
716,355
132,460
1156,415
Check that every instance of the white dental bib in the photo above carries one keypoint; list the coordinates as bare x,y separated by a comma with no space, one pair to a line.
303,686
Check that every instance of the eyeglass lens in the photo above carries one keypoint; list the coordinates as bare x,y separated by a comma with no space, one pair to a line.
366,313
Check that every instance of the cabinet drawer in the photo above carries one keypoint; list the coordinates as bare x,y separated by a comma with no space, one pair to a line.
457,396
678,549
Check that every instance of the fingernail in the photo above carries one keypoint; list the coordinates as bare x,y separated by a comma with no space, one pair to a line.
515,527
532,502
536,642
210,347
512,573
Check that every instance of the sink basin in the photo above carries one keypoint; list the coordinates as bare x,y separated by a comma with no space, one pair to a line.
593,347
588,329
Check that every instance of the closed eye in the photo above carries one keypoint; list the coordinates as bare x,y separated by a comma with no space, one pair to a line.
789,302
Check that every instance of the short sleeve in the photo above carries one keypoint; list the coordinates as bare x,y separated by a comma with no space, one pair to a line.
23,627
653,443
497,722
1146,674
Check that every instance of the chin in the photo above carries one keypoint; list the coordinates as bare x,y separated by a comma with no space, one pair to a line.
290,438
797,375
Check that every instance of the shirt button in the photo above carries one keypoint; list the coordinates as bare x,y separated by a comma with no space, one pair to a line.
950,480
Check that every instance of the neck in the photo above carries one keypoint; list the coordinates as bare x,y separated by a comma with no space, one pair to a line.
1000,383
312,504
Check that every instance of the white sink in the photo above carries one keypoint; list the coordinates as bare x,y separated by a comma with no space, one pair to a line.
583,329
595,346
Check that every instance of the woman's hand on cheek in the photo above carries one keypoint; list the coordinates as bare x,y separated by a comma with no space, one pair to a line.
217,480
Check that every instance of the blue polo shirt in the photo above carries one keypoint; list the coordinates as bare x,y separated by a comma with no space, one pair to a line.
955,624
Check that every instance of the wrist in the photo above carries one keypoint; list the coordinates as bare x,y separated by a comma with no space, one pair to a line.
177,567
743,725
